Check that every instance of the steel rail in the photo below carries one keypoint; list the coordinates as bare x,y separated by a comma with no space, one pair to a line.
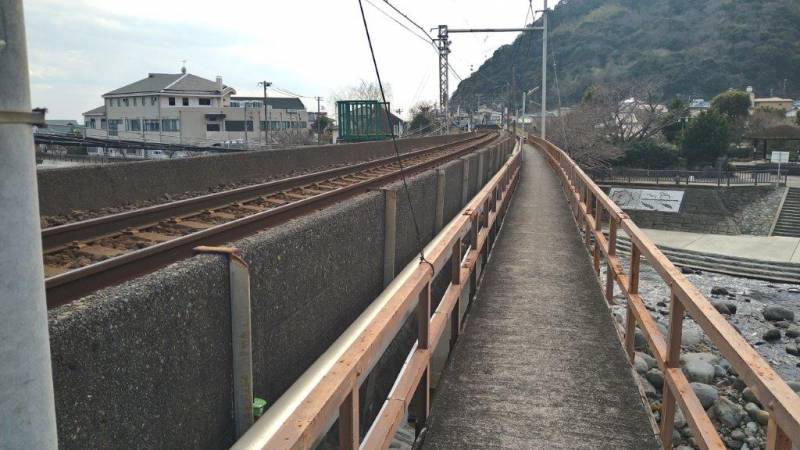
60,235
67,286
589,206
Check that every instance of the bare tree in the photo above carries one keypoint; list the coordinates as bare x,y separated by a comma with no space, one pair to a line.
364,90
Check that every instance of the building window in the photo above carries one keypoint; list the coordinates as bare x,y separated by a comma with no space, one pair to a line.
185,101
303,124
238,125
212,127
170,125
151,125
102,124
153,100
205,102
114,126
92,123
118,102
135,100
134,125
172,101
234,104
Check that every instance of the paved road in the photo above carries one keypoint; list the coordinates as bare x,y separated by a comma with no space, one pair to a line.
540,365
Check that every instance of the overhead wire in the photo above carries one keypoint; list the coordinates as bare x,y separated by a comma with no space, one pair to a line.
394,143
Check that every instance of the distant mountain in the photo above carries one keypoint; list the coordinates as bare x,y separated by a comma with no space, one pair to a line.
695,48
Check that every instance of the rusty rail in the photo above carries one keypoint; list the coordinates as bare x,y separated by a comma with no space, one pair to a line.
590,205
329,389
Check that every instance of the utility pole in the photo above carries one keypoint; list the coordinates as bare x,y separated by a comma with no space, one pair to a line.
266,84
514,95
443,44
444,49
27,416
544,71
319,132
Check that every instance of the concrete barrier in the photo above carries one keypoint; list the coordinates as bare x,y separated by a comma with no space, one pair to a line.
148,363
100,186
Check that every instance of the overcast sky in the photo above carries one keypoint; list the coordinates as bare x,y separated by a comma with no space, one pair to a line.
80,49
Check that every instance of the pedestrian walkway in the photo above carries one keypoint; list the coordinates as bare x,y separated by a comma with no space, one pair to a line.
540,365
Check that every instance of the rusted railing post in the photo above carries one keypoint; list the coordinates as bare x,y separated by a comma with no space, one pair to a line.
598,226
423,343
633,288
587,230
348,422
776,438
455,316
676,313
612,250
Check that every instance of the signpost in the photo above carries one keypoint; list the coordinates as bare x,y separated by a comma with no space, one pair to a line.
780,158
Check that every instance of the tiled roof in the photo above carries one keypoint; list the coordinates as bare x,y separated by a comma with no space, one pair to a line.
169,83
275,102
96,111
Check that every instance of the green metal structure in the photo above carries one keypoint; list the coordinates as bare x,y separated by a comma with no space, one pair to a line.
363,120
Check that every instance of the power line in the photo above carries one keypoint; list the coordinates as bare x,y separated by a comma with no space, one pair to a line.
394,143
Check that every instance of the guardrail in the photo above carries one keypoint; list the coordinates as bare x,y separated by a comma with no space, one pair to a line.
677,177
590,206
330,388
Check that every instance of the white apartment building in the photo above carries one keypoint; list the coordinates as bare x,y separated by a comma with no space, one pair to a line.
187,109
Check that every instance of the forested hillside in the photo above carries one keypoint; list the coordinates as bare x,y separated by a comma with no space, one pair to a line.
687,47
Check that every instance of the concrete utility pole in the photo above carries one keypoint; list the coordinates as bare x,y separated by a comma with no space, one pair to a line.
266,84
319,132
27,411
544,71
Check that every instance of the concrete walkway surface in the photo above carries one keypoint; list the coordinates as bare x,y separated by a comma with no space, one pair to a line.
540,365
764,248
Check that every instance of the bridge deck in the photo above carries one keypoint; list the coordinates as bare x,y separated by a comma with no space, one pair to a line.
539,365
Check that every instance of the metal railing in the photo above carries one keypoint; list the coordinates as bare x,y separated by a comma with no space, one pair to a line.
685,177
330,387
590,207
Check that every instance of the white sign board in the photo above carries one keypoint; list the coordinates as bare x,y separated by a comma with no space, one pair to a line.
647,199
779,157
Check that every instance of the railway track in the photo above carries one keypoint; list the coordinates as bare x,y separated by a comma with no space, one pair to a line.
85,256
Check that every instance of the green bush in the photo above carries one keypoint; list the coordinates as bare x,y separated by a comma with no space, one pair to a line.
706,138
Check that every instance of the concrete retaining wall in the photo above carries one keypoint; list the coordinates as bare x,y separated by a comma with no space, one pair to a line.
709,209
100,186
148,363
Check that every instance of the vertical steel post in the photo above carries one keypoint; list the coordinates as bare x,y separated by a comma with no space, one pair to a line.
544,71
27,412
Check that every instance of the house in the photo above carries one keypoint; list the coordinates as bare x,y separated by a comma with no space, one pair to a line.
183,108
781,104
697,106
61,127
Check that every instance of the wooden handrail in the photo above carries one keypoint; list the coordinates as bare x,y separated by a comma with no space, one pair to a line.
778,398
336,392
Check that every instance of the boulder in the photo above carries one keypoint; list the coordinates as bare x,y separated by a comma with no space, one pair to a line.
707,394
793,349
717,290
655,377
649,360
639,363
776,313
793,332
727,308
729,413
772,335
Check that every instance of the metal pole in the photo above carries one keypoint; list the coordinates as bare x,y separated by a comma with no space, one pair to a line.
27,411
544,71
318,121
266,84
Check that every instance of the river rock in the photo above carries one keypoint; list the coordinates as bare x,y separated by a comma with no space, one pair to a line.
775,313
707,394
717,290
729,413
699,371
749,396
772,335
756,413
679,422
751,428
793,349
690,336
655,377
639,363
726,308
794,385
793,332
651,362
738,435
